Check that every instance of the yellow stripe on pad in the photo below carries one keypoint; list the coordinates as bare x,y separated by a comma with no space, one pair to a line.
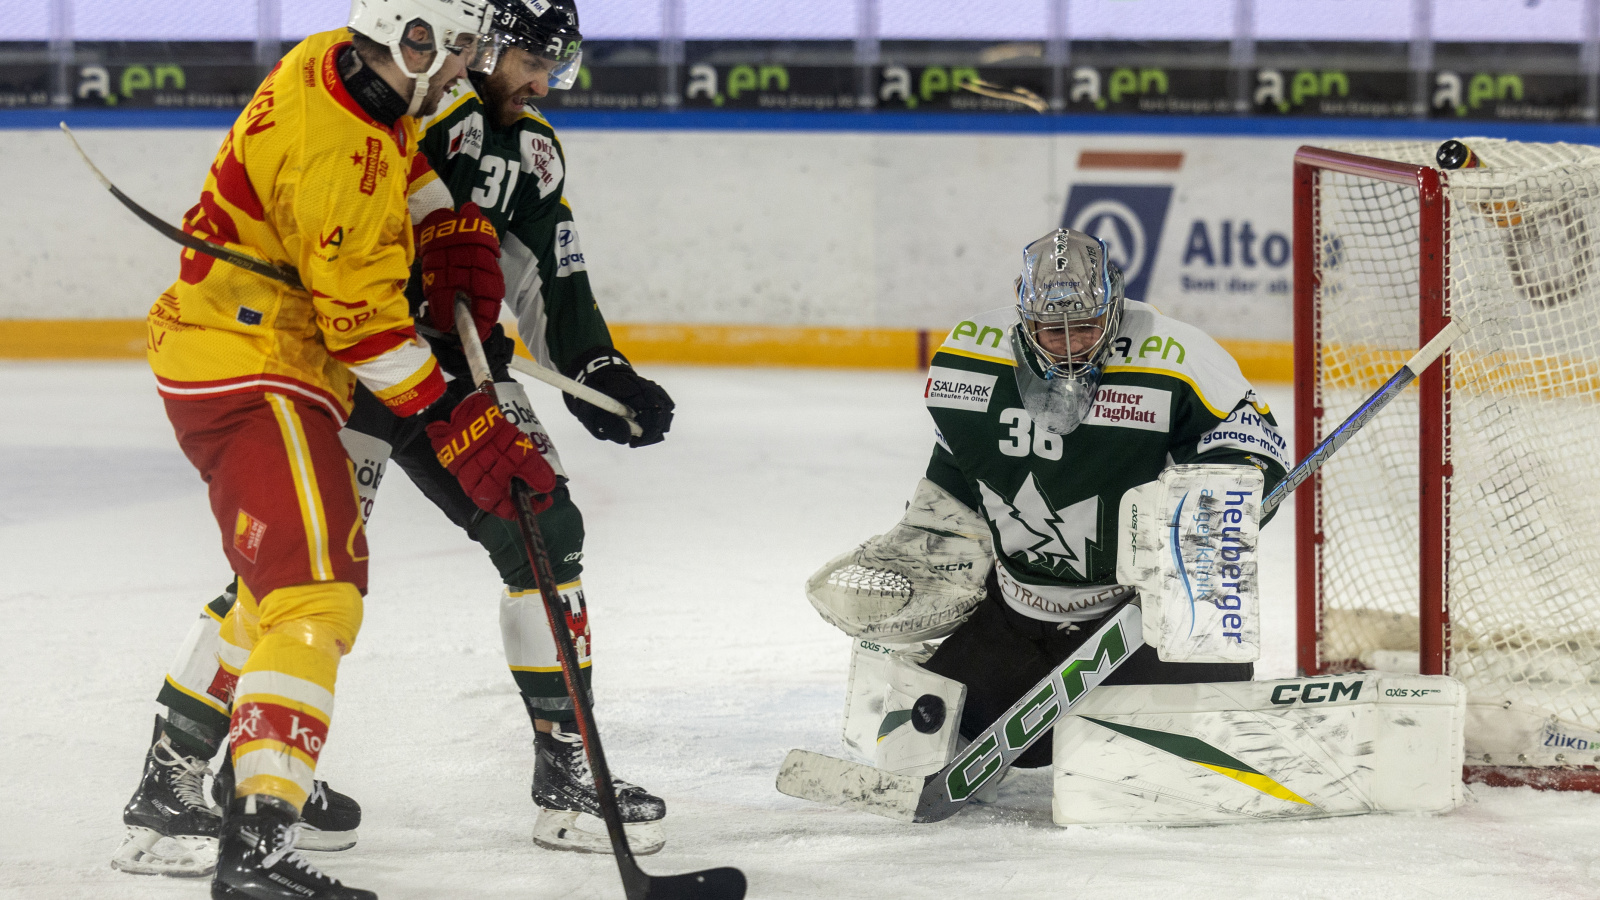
1258,781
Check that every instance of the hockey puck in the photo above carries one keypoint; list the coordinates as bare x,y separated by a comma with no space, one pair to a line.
927,714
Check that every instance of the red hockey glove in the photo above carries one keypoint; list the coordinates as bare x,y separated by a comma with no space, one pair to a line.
484,452
460,252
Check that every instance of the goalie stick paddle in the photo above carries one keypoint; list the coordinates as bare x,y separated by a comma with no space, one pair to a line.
825,779
217,251
838,782
723,883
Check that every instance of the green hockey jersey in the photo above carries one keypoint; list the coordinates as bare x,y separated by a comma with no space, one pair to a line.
517,176
1170,395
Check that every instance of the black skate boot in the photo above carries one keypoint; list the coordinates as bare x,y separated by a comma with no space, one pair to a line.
569,811
256,858
172,830
328,820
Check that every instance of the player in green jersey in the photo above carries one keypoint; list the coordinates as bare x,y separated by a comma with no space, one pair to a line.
508,229
1046,413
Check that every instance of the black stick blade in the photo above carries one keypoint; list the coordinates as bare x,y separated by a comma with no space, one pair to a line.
724,883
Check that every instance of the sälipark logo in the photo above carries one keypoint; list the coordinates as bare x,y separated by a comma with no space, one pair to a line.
1032,528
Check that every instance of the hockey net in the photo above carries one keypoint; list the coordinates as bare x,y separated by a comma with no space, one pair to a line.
1459,532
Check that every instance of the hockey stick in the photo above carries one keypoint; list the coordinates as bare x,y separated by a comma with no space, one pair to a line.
217,251
722,883
1363,414
561,383
292,279
827,779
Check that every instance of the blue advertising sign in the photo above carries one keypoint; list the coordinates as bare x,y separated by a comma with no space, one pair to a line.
1129,218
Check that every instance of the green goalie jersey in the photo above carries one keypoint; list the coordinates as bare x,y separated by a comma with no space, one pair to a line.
1170,395
517,176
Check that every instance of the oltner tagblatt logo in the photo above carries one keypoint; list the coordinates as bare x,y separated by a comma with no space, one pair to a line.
1124,406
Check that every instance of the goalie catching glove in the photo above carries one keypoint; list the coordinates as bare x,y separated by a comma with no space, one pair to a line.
484,452
916,583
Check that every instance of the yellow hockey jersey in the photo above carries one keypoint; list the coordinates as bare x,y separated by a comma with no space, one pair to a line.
306,180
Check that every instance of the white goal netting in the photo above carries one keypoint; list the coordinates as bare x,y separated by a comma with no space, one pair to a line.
1523,517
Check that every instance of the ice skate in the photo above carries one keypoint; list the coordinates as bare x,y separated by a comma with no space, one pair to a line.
569,810
328,820
172,830
257,859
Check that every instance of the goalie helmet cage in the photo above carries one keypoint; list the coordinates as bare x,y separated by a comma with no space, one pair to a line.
1459,533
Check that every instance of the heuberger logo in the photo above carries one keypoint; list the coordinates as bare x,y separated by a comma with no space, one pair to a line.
1034,716
1147,409
958,389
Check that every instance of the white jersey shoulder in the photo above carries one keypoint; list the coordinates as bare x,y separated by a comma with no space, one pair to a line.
460,94
986,336
1151,342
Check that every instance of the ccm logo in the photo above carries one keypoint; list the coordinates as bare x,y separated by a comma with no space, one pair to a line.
1316,692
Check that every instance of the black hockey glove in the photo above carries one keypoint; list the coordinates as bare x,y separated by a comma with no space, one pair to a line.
610,373
496,347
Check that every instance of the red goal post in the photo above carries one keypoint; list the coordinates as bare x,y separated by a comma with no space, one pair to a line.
1399,538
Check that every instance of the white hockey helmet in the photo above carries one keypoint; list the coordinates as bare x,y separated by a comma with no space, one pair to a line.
458,27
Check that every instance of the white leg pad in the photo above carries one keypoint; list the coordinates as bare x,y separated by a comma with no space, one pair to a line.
1198,754
899,716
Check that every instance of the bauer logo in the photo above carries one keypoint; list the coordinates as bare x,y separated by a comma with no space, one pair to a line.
956,389
1126,406
1129,218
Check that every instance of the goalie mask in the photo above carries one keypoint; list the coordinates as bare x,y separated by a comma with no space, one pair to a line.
1069,300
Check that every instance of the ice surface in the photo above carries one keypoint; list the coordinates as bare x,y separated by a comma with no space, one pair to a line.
709,666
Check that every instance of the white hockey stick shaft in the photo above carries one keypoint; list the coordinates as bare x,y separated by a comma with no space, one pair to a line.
475,354
581,391
477,361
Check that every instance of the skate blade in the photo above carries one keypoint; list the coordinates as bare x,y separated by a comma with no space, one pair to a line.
570,830
324,841
148,852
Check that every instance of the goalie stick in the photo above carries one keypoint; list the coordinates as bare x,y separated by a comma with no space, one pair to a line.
288,276
936,797
723,883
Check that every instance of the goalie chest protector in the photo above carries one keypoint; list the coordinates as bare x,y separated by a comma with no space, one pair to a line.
1170,394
